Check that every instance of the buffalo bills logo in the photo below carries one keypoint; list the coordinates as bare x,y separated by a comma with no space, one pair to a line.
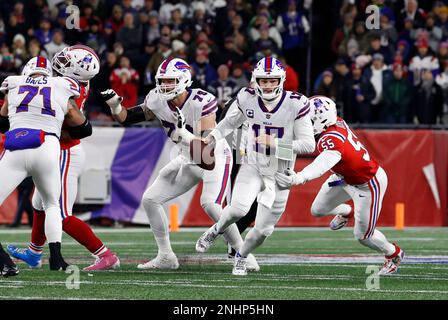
279,64
181,66
22,133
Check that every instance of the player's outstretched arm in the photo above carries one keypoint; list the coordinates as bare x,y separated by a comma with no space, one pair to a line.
233,120
4,121
78,126
304,141
126,116
323,162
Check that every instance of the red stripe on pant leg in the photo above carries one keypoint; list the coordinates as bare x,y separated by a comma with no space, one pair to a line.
378,202
224,183
64,185
372,194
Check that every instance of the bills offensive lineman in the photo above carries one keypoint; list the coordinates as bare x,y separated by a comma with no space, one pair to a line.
35,107
185,114
356,176
280,129
82,64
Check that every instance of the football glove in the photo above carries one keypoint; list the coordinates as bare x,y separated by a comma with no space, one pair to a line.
113,100
289,178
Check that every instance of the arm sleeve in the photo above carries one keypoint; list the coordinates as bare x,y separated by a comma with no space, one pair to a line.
323,162
234,118
304,135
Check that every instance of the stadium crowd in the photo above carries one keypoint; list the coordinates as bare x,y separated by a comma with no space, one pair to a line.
397,74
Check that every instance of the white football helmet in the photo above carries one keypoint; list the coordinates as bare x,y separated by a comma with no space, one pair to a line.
323,113
271,68
37,64
78,62
176,69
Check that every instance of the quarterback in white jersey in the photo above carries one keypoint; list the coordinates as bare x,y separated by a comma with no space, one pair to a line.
35,107
185,114
279,129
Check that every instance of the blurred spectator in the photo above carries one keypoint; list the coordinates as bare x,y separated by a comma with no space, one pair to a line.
44,34
35,49
166,9
179,50
442,19
342,33
341,75
397,97
358,93
376,47
230,55
163,52
428,100
177,24
261,23
116,19
239,76
442,81
411,11
56,45
388,32
124,80
442,53
223,88
204,73
153,29
408,33
94,38
130,37
128,8
19,51
293,27
424,60
265,41
378,74
292,78
327,87
434,33
6,61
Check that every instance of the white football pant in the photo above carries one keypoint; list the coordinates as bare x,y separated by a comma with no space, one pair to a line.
42,164
367,199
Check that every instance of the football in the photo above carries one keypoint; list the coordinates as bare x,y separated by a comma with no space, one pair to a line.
202,154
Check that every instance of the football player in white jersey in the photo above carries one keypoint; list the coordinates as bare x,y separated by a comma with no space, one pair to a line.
82,64
186,114
34,109
280,129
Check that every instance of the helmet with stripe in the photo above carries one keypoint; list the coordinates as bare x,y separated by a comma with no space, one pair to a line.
323,113
268,68
78,62
36,65
172,69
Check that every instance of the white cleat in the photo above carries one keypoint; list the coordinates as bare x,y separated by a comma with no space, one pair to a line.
240,265
251,263
391,263
338,222
207,239
162,261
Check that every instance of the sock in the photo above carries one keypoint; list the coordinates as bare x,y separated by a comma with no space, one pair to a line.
378,242
159,225
53,224
38,232
81,232
253,240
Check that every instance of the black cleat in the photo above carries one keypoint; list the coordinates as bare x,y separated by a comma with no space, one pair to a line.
9,270
56,260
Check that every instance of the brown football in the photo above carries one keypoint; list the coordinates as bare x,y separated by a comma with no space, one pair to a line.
202,154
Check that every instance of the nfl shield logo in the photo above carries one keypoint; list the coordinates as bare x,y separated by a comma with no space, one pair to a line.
268,115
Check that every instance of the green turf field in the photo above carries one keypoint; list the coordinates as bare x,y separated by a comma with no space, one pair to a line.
295,264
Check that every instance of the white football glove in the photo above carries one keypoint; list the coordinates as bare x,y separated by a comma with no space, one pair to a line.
113,100
181,131
289,178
